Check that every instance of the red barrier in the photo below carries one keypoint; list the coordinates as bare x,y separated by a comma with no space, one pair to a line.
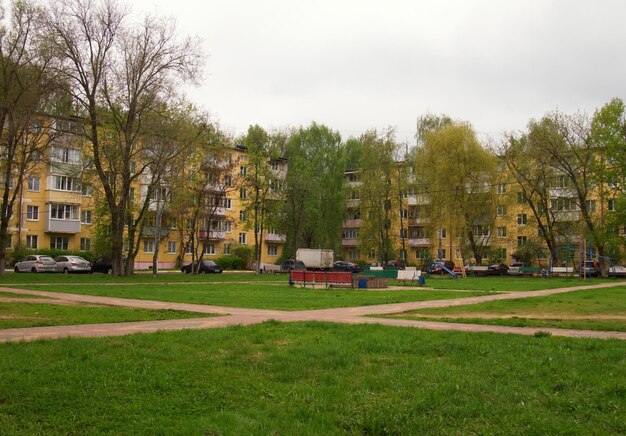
326,277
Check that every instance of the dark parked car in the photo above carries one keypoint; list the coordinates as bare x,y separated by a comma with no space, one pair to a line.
291,264
102,265
497,269
395,264
341,265
206,267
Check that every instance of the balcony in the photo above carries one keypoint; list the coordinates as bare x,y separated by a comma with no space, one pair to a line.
212,235
418,221
66,197
415,200
348,242
351,224
564,216
151,231
54,225
418,242
274,238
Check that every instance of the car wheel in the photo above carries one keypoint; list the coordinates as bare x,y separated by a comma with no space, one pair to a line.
66,271
16,269
33,269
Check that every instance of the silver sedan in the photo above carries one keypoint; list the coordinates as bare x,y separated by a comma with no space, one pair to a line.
35,263
72,264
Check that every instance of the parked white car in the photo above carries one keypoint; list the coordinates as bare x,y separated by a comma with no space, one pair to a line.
72,264
35,263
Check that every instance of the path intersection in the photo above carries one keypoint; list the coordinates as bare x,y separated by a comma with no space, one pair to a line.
243,316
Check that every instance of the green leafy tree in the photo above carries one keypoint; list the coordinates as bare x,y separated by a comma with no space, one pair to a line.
460,175
379,199
314,198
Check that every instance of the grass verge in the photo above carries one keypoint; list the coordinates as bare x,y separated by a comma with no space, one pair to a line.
20,315
312,378
506,283
591,309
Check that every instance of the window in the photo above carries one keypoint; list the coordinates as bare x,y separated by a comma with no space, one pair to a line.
171,246
591,205
242,171
65,155
404,213
63,212
33,184
441,233
11,181
209,249
480,230
350,234
9,242
85,217
87,189
243,194
353,254
371,254
188,248
65,183
501,232
501,210
32,213
148,246
422,253
227,203
59,243
521,240
611,205
501,189
563,204
228,181
559,182
441,253
242,238
131,195
521,219
418,233
272,250
226,248
242,215
521,197
31,241
404,233
85,244
227,226
503,253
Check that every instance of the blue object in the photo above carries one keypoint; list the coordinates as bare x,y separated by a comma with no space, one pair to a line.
363,283
421,280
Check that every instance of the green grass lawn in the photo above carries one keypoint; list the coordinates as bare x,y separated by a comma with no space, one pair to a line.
556,308
508,283
4,294
313,378
19,315
260,296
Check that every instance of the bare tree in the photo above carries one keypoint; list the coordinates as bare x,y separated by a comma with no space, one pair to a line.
119,76
26,86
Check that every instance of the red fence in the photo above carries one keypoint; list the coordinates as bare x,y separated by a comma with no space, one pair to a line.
327,278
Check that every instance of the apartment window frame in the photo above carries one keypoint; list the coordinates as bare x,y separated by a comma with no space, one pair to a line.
59,243
149,245
85,244
32,212
32,241
34,184
172,247
272,250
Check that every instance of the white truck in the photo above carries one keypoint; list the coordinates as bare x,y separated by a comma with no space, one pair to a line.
316,258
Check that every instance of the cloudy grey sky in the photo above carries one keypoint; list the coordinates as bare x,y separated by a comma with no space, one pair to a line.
355,65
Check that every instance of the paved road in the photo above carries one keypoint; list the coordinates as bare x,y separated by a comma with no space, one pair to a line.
243,316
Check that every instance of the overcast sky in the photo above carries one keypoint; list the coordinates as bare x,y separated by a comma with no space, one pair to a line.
357,65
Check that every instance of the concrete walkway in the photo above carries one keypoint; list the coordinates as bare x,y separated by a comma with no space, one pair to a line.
243,316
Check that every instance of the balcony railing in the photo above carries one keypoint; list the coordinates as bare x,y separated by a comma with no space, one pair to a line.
416,242
212,235
418,221
66,197
414,200
274,238
54,225
350,224
152,231
348,242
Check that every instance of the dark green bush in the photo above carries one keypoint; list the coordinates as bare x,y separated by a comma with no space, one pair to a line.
231,262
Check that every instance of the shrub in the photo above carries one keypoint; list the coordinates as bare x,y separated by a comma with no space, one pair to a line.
244,253
231,262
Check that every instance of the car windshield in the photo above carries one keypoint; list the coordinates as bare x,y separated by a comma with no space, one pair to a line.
46,258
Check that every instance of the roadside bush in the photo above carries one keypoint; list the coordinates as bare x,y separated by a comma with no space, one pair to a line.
244,253
231,262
